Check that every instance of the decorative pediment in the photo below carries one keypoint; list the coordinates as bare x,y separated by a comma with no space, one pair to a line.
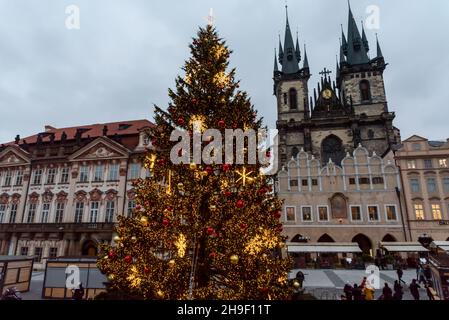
14,156
61,196
15,198
95,195
47,196
131,194
101,148
80,195
4,197
111,194
34,197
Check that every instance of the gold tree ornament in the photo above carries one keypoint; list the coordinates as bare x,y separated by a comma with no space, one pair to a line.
144,221
220,51
245,176
198,123
181,245
221,79
234,259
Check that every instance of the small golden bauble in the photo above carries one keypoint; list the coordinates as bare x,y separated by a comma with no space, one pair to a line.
213,207
181,186
144,221
117,239
193,166
234,259
268,271
264,256
160,294
111,277
296,284
171,263
134,239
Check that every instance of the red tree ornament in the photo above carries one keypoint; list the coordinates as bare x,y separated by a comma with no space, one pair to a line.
277,214
128,259
221,124
112,255
240,204
146,270
165,222
228,194
212,255
210,230
243,226
181,121
209,169
194,101
226,167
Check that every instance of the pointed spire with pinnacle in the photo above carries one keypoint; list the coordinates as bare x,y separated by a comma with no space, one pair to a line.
344,43
379,50
357,53
338,66
298,50
306,60
276,68
364,39
281,51
289,61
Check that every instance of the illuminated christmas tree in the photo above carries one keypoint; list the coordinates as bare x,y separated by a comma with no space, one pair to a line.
201,230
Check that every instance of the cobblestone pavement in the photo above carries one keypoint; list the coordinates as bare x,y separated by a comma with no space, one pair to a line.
328,284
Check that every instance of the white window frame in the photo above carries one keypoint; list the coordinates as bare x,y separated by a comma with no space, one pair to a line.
50,252
8,178
38,257
395,211
3,208
411,164
411,185
19,178
130,208
378,212
84,173
37,173
77,211
98,174
286,213
311,214
318,213
132,175
65,175
361,212
45,212
109,217
51,175
422,209
435,184
440,209
13,213
32,207
93,211
116,172
60,211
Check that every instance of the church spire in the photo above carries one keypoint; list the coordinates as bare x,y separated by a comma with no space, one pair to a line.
306,60
357,53
298,50
276,68
290,61
379,50
344,43
364,39
281,51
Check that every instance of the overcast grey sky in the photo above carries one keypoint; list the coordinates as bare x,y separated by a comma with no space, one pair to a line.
127,53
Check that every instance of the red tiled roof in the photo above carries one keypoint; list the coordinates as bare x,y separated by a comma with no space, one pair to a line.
93,130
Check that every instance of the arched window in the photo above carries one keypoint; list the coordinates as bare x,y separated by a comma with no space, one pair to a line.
365,90
293,97
332,148
295,152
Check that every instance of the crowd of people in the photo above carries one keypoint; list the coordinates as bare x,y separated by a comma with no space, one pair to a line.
365,291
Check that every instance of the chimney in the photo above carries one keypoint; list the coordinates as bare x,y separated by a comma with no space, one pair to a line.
17,140
49,128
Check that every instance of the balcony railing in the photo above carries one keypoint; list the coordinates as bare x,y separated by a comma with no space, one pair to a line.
56,227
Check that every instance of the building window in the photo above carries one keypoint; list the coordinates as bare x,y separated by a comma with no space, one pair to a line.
356,213
414,185
45,212
98,174
31,213
64,175
51,175
411,164
53,253
419,211
428,164
378,180
305,183
364,181
13,213
293,96
131,207
351,181
373,213
443,163
24,251
94,208
79,211
391,213
38,254
446,184
323,214
365,90
8,178
113,172
37,179
285,98
2,212
134,171
84,174
290,214
293,183
306,213
110,211
431,185
19,178
416,146
59,216
314,182
436,212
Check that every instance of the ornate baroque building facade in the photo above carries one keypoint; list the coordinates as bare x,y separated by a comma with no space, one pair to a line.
61,190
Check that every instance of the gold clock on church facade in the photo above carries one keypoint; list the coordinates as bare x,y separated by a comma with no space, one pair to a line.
327,94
